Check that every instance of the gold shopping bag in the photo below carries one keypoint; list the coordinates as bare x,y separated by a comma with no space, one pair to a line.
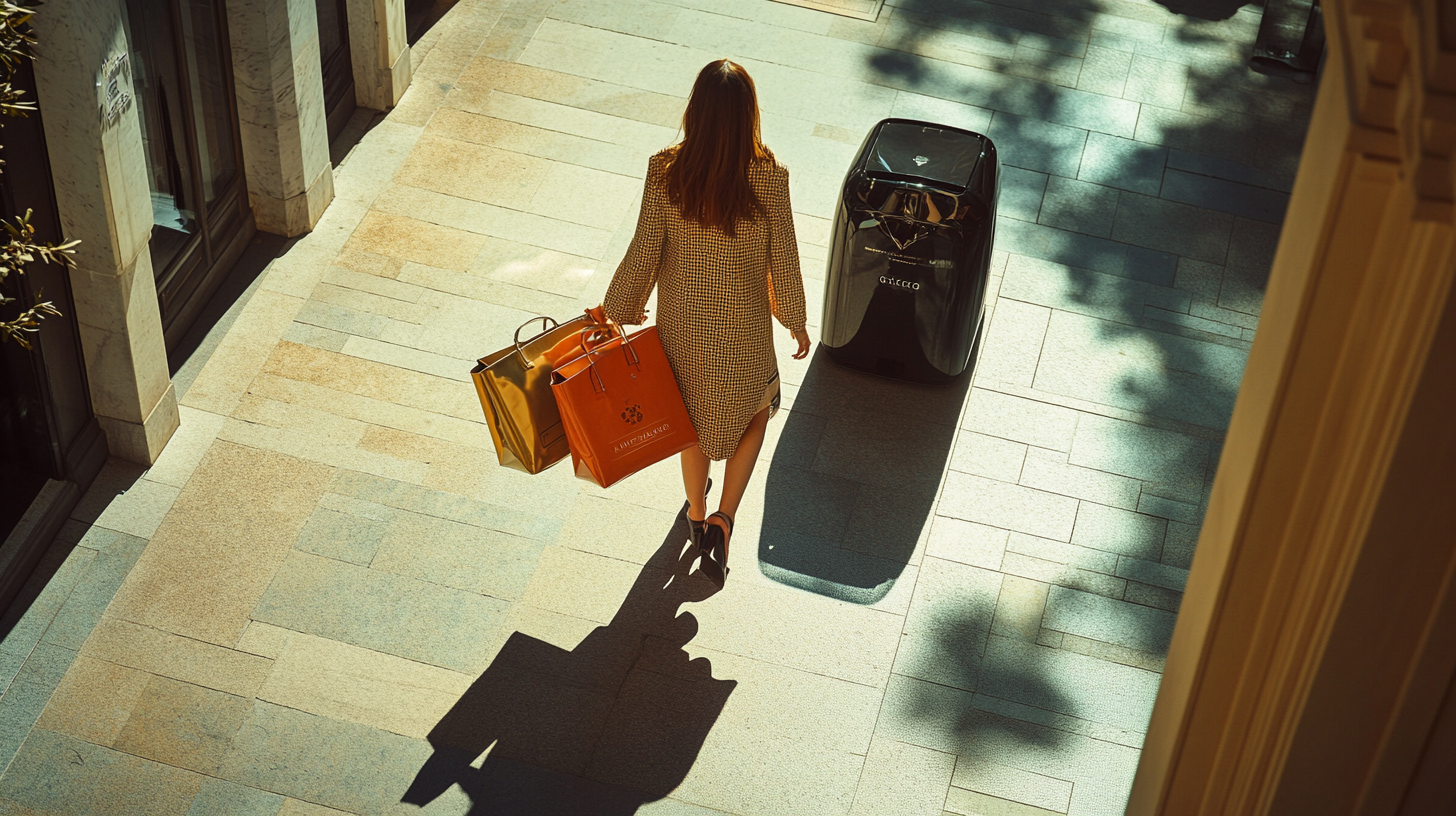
514,385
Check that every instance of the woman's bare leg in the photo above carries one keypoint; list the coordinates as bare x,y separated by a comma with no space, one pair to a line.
695,482
740,464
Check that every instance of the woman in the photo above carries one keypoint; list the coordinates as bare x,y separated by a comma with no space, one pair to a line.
716,237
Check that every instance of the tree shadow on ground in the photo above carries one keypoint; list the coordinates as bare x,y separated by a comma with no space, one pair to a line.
961,662
854,478
1230,145
907,59
1153,280
602,729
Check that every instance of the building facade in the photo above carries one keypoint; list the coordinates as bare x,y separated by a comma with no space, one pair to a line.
169,131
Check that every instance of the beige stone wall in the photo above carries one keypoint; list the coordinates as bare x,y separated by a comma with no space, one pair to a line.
1315,646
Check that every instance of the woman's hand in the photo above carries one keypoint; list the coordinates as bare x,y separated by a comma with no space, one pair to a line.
802,335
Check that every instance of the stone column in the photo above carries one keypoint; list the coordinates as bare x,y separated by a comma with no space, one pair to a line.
99,170
281,113
379,49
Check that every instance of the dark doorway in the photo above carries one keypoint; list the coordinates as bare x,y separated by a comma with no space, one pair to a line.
47,431
181,72
336,62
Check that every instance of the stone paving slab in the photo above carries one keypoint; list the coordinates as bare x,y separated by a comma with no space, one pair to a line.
125,643
94,700
47,777
388,613
1092,616
1096,768
1114,530
1033,144
1011,417
1224,196
961,597
1050,471
947,624
220,798
1078,206
210,561
182,725
903,778
343,682
1022,509
1053,572
25,629
1155,455
1179,378
1015,785
1123,163
346,766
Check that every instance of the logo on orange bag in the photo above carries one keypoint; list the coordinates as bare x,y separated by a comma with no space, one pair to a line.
639,439
632,414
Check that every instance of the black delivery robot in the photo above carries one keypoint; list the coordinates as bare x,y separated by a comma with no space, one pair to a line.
905,289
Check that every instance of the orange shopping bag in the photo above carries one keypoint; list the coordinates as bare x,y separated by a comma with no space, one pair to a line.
620,406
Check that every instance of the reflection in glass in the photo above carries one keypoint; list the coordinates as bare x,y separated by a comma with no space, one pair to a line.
211,118
156,87
183,101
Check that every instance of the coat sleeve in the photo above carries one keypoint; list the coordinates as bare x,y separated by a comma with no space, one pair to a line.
637,273
785,281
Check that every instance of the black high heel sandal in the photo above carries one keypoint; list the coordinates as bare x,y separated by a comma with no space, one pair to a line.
714,563
696,529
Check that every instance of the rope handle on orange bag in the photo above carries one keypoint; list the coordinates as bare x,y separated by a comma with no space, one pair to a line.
604,330
600,338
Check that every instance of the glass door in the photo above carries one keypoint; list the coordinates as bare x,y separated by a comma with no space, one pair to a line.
182,79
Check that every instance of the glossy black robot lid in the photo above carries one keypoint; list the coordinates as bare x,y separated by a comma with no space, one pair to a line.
944,157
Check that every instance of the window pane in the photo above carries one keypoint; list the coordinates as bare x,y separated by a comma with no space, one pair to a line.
205,57
158,90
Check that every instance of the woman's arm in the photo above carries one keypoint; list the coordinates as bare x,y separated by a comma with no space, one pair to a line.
627,295
785,281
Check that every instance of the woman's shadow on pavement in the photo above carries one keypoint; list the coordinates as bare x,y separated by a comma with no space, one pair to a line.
602,729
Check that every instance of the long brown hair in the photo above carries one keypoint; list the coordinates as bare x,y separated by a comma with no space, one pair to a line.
707,173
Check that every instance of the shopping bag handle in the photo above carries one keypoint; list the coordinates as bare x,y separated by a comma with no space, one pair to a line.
544,328
595,336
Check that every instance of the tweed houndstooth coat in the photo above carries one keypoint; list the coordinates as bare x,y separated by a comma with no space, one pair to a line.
716,297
